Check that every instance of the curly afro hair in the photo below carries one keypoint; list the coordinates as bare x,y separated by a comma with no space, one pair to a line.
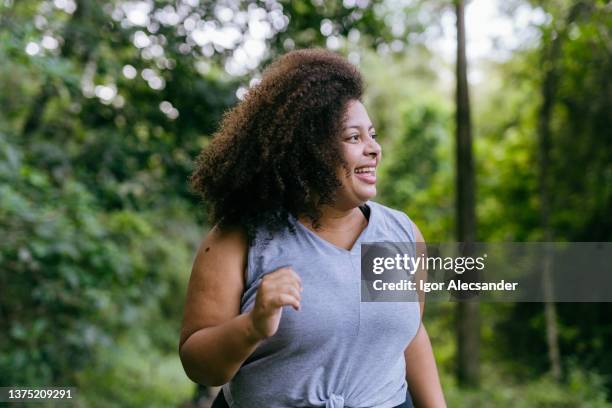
278,151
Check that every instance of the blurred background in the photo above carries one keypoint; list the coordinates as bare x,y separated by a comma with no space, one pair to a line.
105,104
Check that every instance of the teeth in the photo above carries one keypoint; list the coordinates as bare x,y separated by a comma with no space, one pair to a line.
366,170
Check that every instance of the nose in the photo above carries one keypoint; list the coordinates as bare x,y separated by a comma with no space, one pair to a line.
372,148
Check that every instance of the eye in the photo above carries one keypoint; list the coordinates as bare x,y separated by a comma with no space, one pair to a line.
373,135
353,138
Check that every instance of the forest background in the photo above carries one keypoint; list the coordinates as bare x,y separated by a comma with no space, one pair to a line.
105,105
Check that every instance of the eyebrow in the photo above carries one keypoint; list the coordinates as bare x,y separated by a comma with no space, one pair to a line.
357,127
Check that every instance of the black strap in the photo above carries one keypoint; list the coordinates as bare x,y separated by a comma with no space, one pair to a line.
365,210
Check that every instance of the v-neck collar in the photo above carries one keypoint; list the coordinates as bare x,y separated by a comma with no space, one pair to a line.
327,243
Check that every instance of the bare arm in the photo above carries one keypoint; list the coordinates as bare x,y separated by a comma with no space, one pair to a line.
421,371
215,338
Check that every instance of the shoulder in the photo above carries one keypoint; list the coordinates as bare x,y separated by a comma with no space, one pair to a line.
388,211
225,238
224,248
394,219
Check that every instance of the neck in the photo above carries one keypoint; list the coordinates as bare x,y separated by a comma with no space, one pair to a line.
335,218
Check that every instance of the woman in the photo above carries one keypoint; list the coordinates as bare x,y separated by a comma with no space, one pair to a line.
273,308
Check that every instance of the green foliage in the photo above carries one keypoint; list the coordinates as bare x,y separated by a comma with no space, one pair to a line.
98,228
79,276
582,390
61,264
127,376
417,176
413,121
97,137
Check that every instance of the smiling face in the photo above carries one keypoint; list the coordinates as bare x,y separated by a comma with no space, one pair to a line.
362,154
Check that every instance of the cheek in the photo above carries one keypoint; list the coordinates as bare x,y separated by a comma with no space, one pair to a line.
343,173
346,169
352,156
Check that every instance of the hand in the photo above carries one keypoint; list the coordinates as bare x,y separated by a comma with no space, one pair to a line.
277,289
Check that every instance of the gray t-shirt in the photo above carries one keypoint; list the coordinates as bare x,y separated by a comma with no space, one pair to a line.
336,351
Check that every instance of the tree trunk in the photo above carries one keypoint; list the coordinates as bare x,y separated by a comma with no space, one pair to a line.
550,61
468,311
550,314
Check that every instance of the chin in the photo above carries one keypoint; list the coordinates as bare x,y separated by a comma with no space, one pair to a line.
354,197
364,196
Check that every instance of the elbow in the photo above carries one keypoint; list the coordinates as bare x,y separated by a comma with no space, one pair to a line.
207,379
199,373
218,382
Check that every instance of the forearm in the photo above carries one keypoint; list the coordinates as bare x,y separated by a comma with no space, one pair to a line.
422,373
213,355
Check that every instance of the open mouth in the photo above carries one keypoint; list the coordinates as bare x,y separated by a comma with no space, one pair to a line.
366,174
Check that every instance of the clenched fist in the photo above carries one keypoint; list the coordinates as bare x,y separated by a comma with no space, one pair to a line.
277,289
